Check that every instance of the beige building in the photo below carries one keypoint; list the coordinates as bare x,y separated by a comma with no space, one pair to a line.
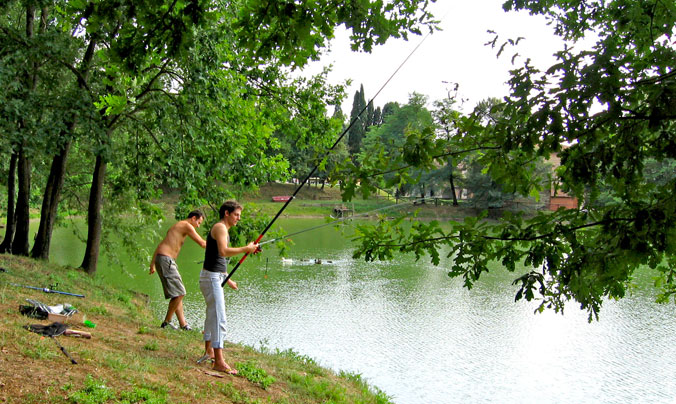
557,198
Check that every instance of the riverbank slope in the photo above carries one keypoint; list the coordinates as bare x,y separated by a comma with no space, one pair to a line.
129,359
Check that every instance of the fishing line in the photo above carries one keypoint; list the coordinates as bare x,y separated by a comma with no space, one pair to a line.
307,178
343,218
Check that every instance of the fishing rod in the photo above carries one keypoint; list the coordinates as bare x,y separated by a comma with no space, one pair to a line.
316,167
341,219
47,290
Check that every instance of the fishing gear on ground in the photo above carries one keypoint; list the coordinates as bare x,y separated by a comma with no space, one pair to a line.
53,330
48,290
41,311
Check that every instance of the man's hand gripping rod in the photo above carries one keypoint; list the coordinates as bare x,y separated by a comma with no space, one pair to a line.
263,233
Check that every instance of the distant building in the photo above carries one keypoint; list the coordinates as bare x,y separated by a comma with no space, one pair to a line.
557,198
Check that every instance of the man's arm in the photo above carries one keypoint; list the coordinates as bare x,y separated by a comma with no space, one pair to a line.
220,233
152,261
192,232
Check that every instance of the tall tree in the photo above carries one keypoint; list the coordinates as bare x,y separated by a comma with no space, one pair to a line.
20,245
389,144
485,192
6,245
377,117
388,109
392,133
446,117
62,145
358,116
370,113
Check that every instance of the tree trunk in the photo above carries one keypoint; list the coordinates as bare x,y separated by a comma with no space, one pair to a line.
50,202
455,197
6,245
20,242
450,179
94,217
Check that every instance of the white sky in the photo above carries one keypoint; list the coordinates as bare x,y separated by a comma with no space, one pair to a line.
456,54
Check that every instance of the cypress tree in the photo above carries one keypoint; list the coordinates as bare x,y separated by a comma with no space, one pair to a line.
356,132
369,116
377,117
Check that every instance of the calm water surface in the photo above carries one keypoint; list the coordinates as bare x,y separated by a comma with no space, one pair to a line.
419,335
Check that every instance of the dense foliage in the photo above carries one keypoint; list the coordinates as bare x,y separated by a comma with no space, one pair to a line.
609,112
106,102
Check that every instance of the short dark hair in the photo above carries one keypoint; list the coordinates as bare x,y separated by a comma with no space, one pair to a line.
196,213
229,206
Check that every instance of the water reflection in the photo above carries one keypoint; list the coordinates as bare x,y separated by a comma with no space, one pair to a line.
423,338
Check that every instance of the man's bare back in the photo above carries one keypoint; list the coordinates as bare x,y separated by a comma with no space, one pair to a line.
173,241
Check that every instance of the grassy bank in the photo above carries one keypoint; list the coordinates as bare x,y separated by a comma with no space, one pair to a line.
130,360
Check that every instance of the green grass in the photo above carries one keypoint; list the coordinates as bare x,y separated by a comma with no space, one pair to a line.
320,389
100,310
255,374
151,346
44,349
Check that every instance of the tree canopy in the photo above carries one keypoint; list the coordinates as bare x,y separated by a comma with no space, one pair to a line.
609,112
109,100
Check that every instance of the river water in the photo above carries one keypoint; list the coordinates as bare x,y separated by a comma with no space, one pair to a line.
421,337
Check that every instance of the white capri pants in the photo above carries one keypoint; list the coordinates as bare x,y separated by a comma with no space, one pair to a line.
215,322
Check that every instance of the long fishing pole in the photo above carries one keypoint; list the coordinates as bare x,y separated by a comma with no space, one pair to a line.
47,290
333,222
316,167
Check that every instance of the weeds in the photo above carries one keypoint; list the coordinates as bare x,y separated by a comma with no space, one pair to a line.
254,374
320,389
99,310
143,395
40,348
124,298
380,396
96,392
295,356
151,346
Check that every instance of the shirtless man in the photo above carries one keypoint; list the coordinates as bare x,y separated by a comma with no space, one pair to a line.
164,259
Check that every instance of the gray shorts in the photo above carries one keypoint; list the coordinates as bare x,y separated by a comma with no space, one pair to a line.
171,279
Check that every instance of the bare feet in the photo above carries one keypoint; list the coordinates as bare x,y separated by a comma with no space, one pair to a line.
225,369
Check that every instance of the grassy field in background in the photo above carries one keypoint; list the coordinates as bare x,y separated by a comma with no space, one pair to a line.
314,201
